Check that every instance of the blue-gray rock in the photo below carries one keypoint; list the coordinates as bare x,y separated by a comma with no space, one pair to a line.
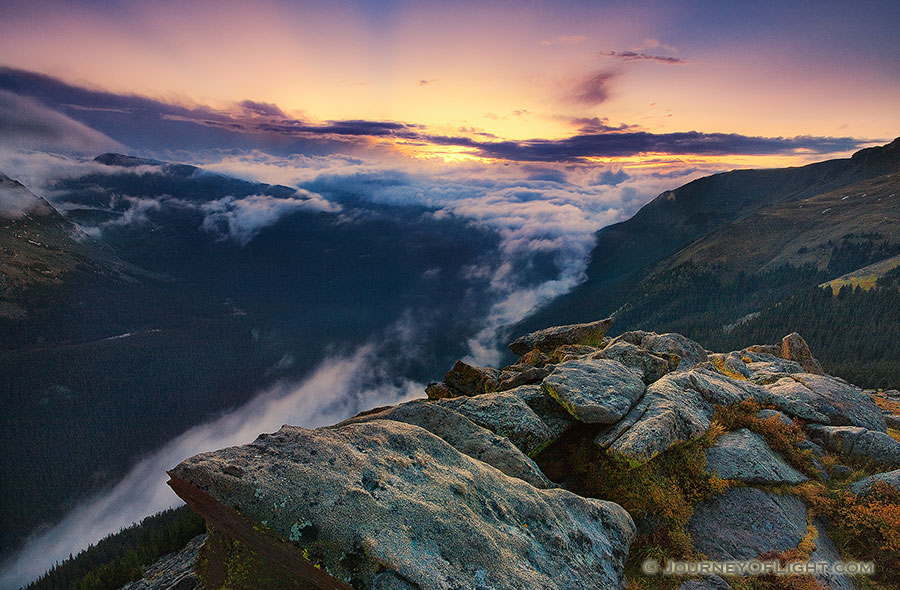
743,523
825,551
676,408
557,419
744,455
688,351
841,471
398,498
825,400
651,366
857,442
863,486
766,414
548,339
464,435
505,414
596,391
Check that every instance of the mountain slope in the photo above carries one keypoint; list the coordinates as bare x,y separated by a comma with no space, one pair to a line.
625,251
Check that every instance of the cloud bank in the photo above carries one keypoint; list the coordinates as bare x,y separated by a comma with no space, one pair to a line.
338,389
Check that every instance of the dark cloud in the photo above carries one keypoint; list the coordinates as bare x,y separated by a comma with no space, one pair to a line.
593,89
589,145
598,125
636,56
266,109
160,127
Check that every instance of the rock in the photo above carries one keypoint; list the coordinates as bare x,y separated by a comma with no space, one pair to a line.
548,339
744,455
857,442
533,358
825,400
464,435
651,366
467,379
825,551
391,500
174,571
891,420
668,413
863,486
570,352
676,408
596,391
730,364
892,394
709,583
505,414
557,419
526,377
436,390
766,414
769,349
795,348
689,352
742,523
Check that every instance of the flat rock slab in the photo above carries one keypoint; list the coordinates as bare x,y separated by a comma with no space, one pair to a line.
596,391
743,523
548,339
858,442
863,486
464,435
744,455
385,500
825,400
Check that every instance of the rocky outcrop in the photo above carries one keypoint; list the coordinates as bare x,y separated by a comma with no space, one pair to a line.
449,492
743,523
548,339
744,456
596,391
386,501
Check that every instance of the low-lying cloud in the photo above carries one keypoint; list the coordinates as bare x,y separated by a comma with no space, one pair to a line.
242,219
338,389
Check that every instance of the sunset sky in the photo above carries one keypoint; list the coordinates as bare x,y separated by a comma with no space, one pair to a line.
783,83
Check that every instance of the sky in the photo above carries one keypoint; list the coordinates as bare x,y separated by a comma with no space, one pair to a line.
641,84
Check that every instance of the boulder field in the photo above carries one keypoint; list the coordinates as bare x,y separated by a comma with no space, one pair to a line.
532,475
